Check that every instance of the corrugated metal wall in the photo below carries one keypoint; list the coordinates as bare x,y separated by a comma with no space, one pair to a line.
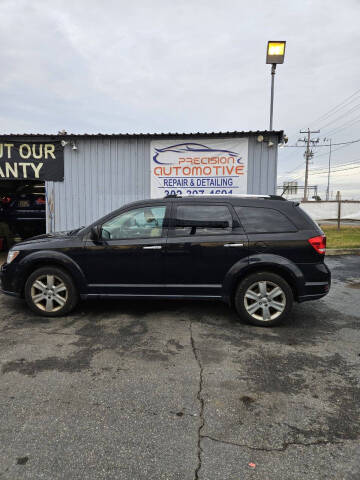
104,173
262,167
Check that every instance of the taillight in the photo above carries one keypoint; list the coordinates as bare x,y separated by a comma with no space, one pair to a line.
319,243
40,201
5,200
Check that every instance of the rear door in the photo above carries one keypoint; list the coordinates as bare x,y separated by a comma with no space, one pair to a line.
199,257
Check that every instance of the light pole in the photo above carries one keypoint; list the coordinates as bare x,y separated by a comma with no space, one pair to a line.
275,54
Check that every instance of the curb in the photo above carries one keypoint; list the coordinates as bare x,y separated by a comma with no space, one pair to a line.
342,251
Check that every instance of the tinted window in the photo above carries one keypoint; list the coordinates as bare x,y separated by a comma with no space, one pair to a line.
145,222
309,222
264,220
202,220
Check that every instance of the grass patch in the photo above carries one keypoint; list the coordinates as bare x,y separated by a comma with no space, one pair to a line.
347,237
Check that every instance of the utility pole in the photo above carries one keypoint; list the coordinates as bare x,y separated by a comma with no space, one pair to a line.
328,184
308,154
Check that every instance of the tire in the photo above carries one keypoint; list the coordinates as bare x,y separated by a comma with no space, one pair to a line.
54,289
255,304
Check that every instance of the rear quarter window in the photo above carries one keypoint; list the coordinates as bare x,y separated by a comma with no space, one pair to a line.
264,220
307,220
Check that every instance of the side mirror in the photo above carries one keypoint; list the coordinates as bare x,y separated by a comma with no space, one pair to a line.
96,233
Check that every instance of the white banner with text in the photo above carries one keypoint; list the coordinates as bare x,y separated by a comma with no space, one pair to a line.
199,167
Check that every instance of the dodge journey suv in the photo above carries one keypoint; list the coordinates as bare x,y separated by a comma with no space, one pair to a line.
259,254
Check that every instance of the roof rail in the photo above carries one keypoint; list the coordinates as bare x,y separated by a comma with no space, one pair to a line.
242,195
251,195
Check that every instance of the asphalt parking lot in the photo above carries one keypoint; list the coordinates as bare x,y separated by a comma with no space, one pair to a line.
170,390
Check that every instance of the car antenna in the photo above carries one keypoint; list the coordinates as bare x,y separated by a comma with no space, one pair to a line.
284,190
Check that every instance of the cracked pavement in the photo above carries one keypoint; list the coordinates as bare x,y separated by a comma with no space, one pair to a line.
181,390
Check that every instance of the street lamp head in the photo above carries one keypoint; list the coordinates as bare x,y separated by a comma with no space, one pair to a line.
275,52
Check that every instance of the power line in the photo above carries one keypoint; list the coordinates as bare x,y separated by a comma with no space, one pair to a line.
336,108
296,167
345,125
324,168
341,116
335,150
339,108
346,165
335,171
326,173
337,165
324,145
323,171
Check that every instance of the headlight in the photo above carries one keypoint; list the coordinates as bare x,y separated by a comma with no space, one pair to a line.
12,255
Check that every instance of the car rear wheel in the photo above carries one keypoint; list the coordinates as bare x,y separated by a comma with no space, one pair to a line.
264,299
50,291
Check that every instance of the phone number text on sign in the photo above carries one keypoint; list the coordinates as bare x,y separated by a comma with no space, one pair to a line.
197,168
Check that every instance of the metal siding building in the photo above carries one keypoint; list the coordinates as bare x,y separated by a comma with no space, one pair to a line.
103,174
108,171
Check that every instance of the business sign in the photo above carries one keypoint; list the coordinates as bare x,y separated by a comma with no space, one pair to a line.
31,161
198,167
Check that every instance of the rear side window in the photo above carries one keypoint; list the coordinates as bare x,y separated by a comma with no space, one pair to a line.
202,220
309,222
264,220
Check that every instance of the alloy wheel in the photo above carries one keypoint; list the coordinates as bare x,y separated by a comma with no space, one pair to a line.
265,300
49,293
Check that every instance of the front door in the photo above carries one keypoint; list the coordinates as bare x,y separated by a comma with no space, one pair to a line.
129,258
199,256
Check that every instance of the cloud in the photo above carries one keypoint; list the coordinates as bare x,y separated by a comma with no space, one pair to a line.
90,66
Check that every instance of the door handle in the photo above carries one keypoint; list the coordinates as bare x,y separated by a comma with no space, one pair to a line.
152,247
233,245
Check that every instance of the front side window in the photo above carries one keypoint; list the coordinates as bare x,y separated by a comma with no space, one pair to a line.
202,220
264,220
144,222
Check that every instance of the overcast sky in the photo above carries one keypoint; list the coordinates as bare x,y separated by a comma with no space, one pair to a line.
158,66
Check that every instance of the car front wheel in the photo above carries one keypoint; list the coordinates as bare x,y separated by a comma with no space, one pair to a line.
50,291
264,299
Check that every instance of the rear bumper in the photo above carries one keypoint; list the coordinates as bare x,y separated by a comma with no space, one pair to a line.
317,282
318,289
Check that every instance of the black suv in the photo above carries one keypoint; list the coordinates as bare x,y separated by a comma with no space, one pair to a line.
257,253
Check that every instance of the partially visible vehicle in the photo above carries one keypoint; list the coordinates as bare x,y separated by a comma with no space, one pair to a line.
24,210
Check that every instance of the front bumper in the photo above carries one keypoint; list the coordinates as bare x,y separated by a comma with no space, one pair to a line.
9,280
